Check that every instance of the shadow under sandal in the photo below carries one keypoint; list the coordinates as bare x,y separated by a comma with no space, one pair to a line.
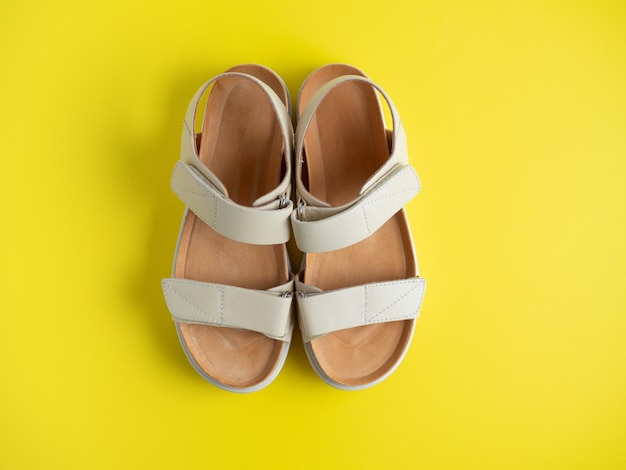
359,292
230,292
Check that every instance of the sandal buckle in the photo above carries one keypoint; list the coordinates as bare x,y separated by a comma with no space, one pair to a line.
283,201
301,205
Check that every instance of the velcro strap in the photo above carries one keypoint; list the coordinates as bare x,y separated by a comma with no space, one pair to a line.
315,232
323,312
267,312
259,226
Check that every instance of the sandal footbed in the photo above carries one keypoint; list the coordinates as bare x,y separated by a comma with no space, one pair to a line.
242,145
345,144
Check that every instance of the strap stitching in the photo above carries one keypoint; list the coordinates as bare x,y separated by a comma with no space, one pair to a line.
419,306
372,199
221,290
198,309
365,305
381,187
371,320
305,313
204,195
368,202
214,198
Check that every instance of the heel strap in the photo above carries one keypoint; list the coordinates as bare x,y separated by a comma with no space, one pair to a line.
267,221
398,154
318,227
188,152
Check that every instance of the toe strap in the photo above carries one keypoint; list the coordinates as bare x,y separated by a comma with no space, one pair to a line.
323,312
205,303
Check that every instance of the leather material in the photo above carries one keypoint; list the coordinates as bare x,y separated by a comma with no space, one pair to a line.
265,225
188,152
237,338
317,226
323,312
398,154
319,229
209,196
205,303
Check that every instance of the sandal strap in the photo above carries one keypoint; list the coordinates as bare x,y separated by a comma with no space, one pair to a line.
265,225
267,221
324,312
188,152
398,153
319,229
205,303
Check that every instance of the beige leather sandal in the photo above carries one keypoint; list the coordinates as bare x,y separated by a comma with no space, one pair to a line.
230,292
359,293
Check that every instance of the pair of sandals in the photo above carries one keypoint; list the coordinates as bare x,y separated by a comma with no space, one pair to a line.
231,292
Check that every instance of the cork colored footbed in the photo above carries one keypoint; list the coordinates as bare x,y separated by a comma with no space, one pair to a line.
345,144
242,145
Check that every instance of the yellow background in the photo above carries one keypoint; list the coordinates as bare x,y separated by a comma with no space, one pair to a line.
516,119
